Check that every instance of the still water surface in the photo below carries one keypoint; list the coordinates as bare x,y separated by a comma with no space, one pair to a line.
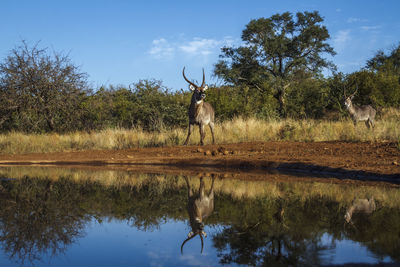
65,217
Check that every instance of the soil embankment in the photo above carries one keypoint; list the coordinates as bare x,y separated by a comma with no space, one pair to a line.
357,161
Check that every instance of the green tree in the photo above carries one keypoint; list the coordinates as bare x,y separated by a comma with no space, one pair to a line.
385,62
98,110
40,91
275,50
309,100
156,107
385,69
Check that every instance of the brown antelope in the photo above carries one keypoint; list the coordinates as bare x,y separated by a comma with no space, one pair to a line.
366,206
200,206
200,112
360,113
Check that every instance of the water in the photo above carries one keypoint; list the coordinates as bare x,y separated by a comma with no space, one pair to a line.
67,217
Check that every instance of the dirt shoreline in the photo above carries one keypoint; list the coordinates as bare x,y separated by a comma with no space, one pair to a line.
341,160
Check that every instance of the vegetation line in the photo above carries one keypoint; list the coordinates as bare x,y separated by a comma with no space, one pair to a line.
231,131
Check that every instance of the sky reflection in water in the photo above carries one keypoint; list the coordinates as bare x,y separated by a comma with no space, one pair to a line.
145,223
115,243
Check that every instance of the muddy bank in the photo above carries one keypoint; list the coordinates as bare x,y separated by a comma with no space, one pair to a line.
342,160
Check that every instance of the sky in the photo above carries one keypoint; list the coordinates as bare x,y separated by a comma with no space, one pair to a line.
121,42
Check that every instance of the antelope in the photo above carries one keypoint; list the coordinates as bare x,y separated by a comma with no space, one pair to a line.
366,206
200,206
360,113
200,112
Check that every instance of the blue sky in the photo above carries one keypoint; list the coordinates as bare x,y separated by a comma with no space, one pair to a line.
120,42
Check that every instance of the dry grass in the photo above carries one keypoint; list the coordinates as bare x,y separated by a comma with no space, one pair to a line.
237,130
236,188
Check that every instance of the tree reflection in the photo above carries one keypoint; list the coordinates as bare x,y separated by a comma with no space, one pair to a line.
263,239
286,233
37,219
40,217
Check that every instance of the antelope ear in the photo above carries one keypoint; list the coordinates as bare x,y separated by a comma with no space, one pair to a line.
190,234
191,87
205,87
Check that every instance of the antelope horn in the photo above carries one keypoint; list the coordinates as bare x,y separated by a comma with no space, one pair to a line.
186,79
204,79
355,91
202,243
186,240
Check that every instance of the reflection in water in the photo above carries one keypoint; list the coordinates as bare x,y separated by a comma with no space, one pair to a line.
273,233
285,226
200,206
366,206
36,219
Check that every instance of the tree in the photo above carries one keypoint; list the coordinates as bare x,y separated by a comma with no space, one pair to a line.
39,91
385,68
156,107
277,51
386,62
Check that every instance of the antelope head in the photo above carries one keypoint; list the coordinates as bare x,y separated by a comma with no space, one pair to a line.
198,91
348,99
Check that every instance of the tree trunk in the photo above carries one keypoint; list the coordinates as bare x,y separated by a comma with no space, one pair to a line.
281,97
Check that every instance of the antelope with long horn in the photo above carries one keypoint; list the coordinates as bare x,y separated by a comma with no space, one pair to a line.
360,113
200,206
363,205
200,112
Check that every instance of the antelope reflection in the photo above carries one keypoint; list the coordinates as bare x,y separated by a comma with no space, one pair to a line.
200,206
366,206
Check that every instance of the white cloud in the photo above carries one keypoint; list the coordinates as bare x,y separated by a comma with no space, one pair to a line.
370,28
341,38
200,46
161,49
191,260
164,49
352,20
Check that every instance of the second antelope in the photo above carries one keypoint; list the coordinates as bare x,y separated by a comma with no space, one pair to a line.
361,205
200,112
360,113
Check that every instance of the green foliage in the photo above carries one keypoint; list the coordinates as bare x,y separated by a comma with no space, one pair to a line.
381,89
147,104
309,99
384,70
225,100
156,107
39,91
276,73
386,62
278,51
98,108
